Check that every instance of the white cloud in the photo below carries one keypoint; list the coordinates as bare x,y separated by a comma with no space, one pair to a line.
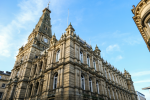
133,40
119,57
113,48
141,73
7,33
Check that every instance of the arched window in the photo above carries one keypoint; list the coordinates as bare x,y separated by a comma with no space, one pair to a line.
81,56
88,60
57,55
82,82
94,63
97,86
90,85
55,81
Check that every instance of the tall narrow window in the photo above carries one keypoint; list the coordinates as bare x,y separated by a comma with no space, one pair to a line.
97,85
57,55
81,56
1,94
88,61
37,85
55,81
0,77
94,63
82,82
90,85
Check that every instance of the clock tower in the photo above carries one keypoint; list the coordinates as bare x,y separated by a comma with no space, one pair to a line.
38,42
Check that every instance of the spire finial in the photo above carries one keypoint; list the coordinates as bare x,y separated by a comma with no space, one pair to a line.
48,4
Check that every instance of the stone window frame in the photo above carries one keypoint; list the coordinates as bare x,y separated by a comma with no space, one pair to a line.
55,80
94,63
88,60
57,55
81,56
41,64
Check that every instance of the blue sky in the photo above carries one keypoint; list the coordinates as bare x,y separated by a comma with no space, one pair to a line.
107,23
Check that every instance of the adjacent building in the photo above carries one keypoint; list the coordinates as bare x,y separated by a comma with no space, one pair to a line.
4,77
142,19
140,96
64,69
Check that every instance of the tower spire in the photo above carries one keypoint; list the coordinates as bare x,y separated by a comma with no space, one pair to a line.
48,5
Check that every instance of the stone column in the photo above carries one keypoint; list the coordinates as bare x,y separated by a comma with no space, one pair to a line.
94,85
79,55
58,78
52,58
85,57
61,51
87,82
27,91
37,69
49,81
91,61
61,77
32,69
63,56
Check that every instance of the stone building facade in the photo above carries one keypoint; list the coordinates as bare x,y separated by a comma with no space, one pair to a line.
65,69
4,78
142,19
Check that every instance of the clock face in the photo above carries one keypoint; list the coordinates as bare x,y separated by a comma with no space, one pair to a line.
45,40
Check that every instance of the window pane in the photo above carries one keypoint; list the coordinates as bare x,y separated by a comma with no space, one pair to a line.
1,94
